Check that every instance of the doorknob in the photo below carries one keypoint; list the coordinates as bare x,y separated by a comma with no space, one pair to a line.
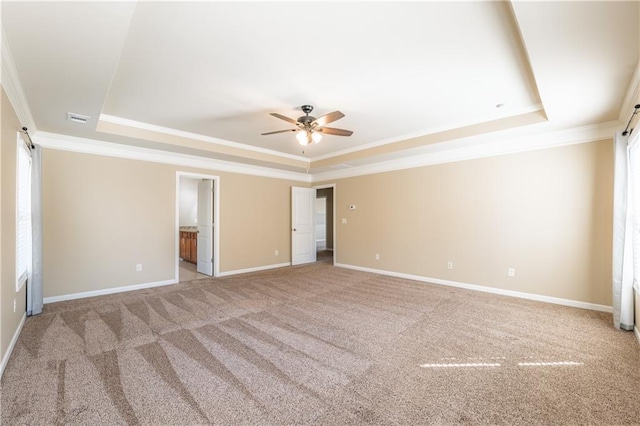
294,229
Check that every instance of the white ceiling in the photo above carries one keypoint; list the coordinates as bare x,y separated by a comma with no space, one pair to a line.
214,70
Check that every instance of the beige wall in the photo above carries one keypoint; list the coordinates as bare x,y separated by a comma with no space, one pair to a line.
546,213
10,320
255,220
102,216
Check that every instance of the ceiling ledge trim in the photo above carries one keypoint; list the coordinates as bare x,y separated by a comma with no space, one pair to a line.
632,97
109,149
195,136
12,85
583,134
388,141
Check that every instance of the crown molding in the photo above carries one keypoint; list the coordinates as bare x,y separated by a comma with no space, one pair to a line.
13,88
631,98
474,148
511,113
109,149
446,152
195,136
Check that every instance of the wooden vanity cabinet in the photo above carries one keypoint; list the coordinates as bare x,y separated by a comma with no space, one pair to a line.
189,246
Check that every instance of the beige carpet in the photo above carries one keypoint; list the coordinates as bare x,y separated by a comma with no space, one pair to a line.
317,344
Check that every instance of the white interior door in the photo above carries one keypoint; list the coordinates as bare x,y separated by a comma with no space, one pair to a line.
303,232
205,227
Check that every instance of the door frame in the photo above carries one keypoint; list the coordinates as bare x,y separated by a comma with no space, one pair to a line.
216,220
335,241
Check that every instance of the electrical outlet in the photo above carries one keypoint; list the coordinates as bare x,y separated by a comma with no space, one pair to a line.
139,267
511,272
449,265
344,220
276,252
377,256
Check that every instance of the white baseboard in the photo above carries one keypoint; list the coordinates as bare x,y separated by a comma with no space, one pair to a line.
14,340
512,293
113,290
254,269
636,331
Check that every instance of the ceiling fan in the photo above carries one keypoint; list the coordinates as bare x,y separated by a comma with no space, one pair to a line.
310,129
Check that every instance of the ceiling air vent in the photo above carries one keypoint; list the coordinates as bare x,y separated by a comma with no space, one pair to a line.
77,118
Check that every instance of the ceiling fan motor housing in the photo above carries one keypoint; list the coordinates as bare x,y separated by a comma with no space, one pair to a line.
306,120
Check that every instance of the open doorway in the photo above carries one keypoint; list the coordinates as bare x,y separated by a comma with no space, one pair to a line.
197,206
325,224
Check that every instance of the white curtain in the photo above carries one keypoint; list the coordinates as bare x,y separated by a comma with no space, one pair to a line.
625,230
634,168
34,281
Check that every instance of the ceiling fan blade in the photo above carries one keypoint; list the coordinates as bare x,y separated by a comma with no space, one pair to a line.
332,131
328,118
278,131
285,118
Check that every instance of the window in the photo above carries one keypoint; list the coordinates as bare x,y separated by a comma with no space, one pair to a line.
23,216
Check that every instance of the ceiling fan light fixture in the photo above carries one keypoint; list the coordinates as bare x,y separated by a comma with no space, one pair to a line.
316,137
302,137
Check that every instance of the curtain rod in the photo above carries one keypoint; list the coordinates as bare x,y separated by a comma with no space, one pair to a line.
626,129
31,145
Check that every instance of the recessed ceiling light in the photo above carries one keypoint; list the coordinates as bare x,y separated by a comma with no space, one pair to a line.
77,118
